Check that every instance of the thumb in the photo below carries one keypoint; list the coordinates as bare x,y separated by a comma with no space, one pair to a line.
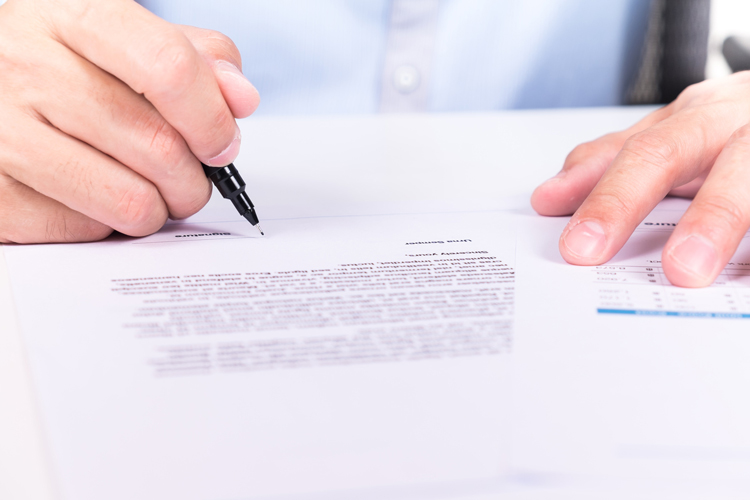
224,59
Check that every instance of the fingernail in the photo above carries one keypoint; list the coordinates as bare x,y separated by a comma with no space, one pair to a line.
697,255
586,239
233,71
229,154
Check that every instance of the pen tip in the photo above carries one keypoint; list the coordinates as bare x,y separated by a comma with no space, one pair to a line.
261,230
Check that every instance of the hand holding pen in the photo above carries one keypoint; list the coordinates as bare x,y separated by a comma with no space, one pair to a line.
108,113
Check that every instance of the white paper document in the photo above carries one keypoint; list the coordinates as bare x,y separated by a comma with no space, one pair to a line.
383,354
638,378
337,354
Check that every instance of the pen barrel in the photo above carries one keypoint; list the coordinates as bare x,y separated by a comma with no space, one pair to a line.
229,183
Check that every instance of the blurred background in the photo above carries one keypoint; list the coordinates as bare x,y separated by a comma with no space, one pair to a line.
676,37
728,18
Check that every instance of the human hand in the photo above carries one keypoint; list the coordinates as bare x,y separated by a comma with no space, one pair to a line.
698,146
106,112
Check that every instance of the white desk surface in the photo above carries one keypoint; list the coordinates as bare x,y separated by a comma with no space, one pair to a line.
407,157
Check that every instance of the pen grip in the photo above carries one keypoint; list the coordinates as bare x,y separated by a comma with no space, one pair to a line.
231,186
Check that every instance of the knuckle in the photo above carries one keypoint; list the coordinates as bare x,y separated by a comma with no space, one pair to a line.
195,198
166,143
175,64
725,91
222,43
652,150
599,152
619,203
222,39
167,149
66,229
95,232
56,229
691,92
581,152
140,210
73,173
701,93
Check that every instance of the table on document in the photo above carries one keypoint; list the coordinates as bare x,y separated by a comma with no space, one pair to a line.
645,290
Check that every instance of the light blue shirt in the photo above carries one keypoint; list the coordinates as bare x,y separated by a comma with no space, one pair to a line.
332,56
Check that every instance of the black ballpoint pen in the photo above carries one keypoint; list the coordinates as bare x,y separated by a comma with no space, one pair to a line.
231,186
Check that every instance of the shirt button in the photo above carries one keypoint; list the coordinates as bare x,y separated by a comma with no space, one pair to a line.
406,79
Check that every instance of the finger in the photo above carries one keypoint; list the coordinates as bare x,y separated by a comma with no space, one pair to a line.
105,113
651,163
716,221
80,177
29,217
583,167
154,58
225,61
690,189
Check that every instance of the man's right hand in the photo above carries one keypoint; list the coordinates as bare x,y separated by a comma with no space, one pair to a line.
106,112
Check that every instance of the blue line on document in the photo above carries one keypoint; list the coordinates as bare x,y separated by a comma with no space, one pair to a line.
683,314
